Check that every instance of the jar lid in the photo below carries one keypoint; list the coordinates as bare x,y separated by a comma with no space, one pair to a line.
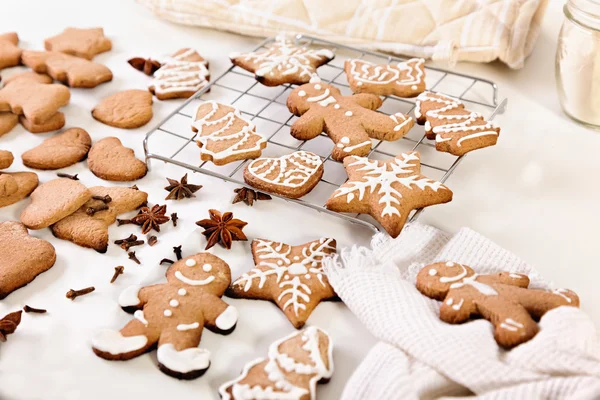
585,12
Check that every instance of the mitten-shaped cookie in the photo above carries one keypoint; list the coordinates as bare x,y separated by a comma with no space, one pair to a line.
502,298
350,121
172,315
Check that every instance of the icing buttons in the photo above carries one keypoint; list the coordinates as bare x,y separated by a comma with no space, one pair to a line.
167,313
190,262
182,292
173,303
206,267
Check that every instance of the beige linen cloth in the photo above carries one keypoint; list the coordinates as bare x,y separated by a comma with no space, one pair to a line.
448,30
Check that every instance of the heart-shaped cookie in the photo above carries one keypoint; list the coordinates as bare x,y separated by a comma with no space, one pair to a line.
22,257
91,231
128,109
59,151
24,182
52,201
110,160
292,175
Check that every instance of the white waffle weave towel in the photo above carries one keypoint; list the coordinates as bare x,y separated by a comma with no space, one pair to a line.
421,357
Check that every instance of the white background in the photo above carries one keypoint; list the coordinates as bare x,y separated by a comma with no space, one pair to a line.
536,193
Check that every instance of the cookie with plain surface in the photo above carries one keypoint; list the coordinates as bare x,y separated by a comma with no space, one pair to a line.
52,201
70,70
85,43
54,123
88,226
59,151
128,109
10,53
108,159
27,76
8,121
24,182
38,102
22,257
6,159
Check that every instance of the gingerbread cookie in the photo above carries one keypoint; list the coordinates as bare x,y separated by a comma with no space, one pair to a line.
52,201
172,315
290,276
127,110
28,76
387,190
54,123
88,226
283,62
108,159
404,79
70,70
224,135
59,151
292,175
22,257
502,298
6,159
38,102
348,120
85,43
15,186
8,121
181,75
292,369
10,53
455,129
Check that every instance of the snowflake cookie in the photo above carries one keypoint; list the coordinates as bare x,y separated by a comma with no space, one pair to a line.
283,62
455,129
501,298
224,135
404,79
290,276
387,190
292,369
172,315
350,121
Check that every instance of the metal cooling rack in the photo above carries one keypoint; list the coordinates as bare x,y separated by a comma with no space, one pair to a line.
266,106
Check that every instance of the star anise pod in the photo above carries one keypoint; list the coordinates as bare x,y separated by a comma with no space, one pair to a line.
248,196
9,324
146,65
222,228
181,190
151,218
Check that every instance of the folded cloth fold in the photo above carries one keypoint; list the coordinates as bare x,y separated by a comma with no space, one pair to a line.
421,357
447,30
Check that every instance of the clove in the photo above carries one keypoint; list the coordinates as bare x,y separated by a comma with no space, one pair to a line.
177,251
152,240
174,218
133,257
130,238
73,294
68,176
123,221
166,261
28,309
118,271
105,199
93,210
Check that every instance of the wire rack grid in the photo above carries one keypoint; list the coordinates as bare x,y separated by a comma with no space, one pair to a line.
173,141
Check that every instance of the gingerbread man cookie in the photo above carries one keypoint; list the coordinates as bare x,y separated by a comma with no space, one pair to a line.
182,75
85,43
10,53
172,315
387,190
455,129
283,62
502,298
350,121
404,79
292,369
290,276
224,135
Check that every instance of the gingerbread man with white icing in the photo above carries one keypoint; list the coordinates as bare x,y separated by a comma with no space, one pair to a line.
173,315
350,121
503,299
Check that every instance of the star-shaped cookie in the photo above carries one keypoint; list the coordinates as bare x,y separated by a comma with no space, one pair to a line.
283,62
387,190
290,276
84,43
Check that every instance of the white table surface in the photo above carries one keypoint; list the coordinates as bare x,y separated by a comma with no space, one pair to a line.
536,193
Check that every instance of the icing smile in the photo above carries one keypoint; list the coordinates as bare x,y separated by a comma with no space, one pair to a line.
193,282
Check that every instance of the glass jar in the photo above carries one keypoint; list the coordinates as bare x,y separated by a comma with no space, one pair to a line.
578,62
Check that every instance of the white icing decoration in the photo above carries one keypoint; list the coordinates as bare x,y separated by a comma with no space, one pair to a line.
516,276
187,327
484,289
293,170
345,140
184,361
173,303
348,149
449,301
432,272
113,342
337,106
318,87
450,264
193,282
404,120
179,75
227,319
212,130
206,267
455,278
296,258
383,74
348,113
139,315
129,296
292,277
167,313
182,292
380,177
561,292
511,325
302,93
190,262
457,306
